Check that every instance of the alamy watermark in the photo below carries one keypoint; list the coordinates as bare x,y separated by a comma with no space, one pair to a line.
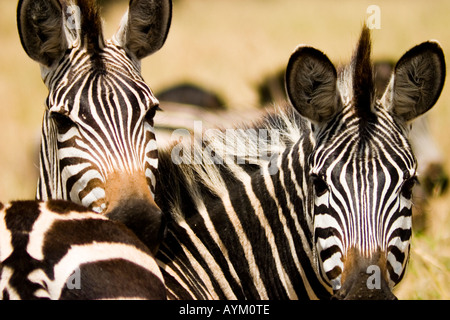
214,146
374,280
373,20
74,281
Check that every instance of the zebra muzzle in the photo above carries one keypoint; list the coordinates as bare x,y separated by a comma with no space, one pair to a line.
364,278
130,202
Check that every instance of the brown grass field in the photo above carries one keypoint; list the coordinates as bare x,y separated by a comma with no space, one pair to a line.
228,46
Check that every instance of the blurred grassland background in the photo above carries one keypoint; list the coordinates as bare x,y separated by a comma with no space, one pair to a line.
228,46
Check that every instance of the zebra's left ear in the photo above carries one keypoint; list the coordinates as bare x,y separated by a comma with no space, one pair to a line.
144,28
40,26
417,81
311,85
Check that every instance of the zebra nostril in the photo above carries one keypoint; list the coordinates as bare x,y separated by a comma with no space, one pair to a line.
365,277
357,289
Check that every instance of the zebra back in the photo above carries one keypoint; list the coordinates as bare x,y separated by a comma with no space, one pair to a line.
61,250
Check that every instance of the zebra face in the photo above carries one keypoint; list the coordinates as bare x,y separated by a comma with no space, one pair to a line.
99,122
362,169
98,145
362,180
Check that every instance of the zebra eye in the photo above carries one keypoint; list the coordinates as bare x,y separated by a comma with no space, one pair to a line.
408,186
320,186
151,112
63,122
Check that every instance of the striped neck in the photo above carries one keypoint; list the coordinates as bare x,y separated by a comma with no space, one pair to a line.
249,213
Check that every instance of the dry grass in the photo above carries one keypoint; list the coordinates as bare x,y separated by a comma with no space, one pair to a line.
228,46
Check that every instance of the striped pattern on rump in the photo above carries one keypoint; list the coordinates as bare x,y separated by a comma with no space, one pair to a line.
60,250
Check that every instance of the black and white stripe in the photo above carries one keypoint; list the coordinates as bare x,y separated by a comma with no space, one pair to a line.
303,210
61,250
98,145
433,178
95,124
363,194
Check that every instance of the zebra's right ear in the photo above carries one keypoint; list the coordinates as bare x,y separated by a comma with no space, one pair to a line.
144,27
40,25
417,83
311,84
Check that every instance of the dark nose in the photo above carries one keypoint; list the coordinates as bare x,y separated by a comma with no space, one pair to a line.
142,217
362,288
364,278
130,202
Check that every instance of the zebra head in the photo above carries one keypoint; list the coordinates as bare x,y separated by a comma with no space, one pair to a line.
98,145
362,169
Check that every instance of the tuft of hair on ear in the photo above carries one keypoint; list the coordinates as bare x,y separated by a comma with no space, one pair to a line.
149,24
419,77
311,84
363,83
39,24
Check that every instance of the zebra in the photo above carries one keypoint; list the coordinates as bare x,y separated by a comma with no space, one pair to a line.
98,147
186,105
61,250
311,202
433,178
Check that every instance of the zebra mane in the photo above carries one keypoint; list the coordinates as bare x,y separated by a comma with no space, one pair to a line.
362,78
284,127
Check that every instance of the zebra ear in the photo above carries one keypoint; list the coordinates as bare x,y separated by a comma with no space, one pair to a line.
145,26
417,81
39,23
311,84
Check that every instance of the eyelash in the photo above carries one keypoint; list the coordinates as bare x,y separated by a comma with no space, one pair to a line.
63,122
320,185
407,187
152,111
